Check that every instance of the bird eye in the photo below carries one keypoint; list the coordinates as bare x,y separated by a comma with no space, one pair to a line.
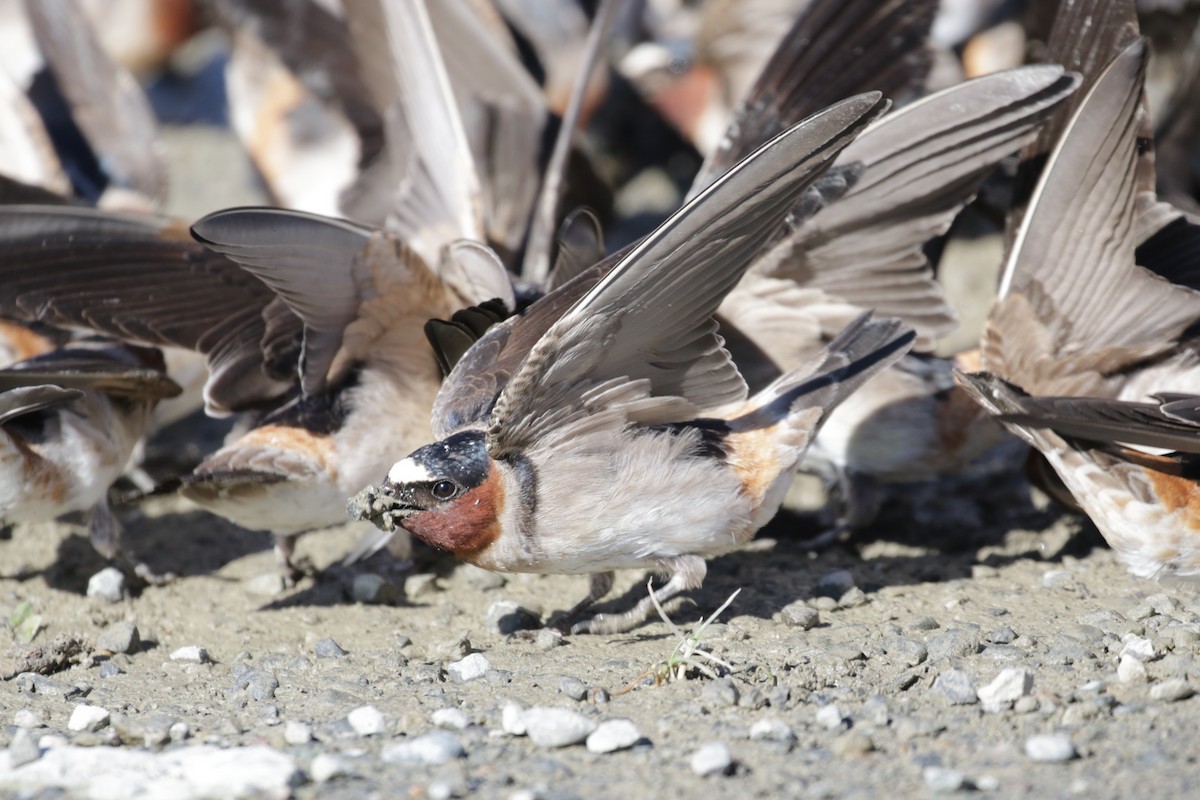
444,490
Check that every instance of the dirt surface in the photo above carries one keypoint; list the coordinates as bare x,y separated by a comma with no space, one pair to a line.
878,696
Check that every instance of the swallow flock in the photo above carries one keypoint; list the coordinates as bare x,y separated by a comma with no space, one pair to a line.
428,327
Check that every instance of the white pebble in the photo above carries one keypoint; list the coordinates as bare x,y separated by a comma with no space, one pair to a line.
556,727
712,759
190,655
450,718
295,732
325,768
512,719
612,735
432,748
1139,648
107,584
1131,669
25,718
829,716
87,718
366,721
1050,747
1006,688
1171,690
940,779
773,730
179,731
471,668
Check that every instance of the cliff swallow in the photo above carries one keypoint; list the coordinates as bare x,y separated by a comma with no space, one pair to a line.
69,421
615,432
857,240
1100,343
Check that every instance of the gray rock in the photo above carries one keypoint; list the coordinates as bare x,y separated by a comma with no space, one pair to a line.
1171,690
954,643
721,693
471,668
371,589
186,773
120,637
23,749
908,652
853,598
506,617
152,730
1050,747
940,779
437,747
612,735
572,687
1004,635
836,583
450,718
108,584
713,758
852,743
924,624
258,684
268,584
956,687
831,717
366,721
328,648
109,670
801,615
88,718
191,655
875,711
547,639
556,727
419,585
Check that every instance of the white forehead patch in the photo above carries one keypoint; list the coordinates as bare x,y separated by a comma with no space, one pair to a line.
408,471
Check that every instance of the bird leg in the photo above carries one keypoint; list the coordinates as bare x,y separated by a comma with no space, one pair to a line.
285,551
599,584
687,572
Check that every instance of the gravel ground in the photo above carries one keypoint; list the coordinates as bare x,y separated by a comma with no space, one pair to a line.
1016,659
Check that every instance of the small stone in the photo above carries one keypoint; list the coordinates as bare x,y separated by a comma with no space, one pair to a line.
471,668
801,615
1004,635
612,735
773,730
823,603
875,711
109,670
1026,705
179,732
191,655
24,718
924,624
1130,669
956,686
547,639
573,688
268,584
1140,648
437,747
108,584
830,717
852,743
450,650
853,598
328,648
1171,690
366,721
908,652
942,780
1006,688
450,719
419,585
954,643
836,583
713,758
371,589
326,767
721,693
512,719
481,579
23,749
1050,747
297,733
556,727
88,718
506,617
120,637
